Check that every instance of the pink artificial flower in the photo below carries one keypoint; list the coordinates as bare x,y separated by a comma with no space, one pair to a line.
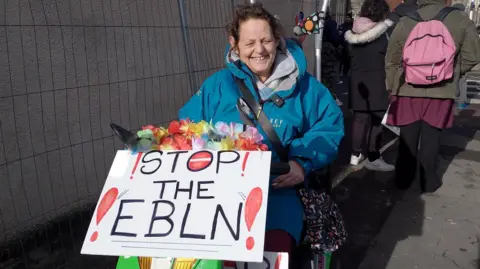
252,134
222,128
198,143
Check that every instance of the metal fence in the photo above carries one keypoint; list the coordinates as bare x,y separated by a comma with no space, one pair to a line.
67,69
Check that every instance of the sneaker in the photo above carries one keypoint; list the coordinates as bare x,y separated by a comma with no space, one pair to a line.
355,160
379,165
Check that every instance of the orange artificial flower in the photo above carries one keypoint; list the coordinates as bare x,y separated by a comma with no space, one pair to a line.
181,142
174,127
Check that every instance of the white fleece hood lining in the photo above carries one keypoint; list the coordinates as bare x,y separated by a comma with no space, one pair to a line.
369,35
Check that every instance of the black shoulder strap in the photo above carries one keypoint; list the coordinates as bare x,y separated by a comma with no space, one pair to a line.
414,16
263,121
443,13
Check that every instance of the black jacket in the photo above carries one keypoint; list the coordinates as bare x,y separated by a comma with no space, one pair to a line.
368,47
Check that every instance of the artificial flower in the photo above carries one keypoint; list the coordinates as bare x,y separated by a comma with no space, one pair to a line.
167,144
188,135
159,134
185,126
199,143
227,143
181,142
174,127
202,127
148,127
225,129
252,134
145,134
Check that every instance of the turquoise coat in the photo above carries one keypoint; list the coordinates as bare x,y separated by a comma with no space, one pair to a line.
310,123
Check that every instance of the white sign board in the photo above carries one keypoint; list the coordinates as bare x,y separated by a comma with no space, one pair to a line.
195,204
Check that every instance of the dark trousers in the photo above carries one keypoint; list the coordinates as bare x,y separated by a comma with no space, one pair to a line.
413,161
344,66
367,130
280,241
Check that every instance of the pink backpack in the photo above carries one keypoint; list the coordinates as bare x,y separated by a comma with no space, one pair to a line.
429,52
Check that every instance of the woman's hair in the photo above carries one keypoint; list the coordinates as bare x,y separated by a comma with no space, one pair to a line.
375,10
246,12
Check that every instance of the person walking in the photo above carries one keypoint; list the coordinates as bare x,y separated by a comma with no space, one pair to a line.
427,54
368,97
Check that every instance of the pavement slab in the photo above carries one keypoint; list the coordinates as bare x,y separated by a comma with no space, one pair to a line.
438,231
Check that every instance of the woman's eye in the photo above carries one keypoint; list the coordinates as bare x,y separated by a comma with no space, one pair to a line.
267,41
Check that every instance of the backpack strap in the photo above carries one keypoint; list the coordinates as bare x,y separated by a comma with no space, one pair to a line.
443,13
263,121
414,16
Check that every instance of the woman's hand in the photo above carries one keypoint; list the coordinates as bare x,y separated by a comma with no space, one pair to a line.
294,177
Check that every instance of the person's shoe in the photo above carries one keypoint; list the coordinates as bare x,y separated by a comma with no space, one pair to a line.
379,165
355,160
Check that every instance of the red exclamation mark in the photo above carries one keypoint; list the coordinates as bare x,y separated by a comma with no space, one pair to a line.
252,206
245,163
139,156
105,204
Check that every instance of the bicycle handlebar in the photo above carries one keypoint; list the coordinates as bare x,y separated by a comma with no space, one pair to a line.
130,139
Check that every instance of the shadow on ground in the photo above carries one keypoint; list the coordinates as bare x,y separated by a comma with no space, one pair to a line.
366,199
465,129
54,245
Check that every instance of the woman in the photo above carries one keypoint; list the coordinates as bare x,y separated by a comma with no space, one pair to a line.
423,112
368,97
309,122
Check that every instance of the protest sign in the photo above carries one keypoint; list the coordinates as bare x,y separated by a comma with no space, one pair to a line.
195,204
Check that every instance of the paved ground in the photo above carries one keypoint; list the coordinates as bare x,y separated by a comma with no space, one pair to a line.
391,229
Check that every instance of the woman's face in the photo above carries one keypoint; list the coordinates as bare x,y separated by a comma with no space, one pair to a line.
256,47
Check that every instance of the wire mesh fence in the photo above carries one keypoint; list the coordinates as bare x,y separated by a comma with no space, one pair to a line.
67,69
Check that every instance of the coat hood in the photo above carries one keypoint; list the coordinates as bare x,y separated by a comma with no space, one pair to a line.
289,67
365,30
404,8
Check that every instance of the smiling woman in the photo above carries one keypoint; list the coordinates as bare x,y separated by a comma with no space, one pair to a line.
302,113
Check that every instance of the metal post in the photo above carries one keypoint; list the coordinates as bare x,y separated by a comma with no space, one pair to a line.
186,45
477,3
319,38
318,74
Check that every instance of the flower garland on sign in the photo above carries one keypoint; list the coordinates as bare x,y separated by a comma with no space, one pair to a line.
188,135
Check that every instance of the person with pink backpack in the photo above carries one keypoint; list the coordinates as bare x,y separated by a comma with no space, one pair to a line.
428,52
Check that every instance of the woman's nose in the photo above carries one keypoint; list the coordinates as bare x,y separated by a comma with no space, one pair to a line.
259,47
